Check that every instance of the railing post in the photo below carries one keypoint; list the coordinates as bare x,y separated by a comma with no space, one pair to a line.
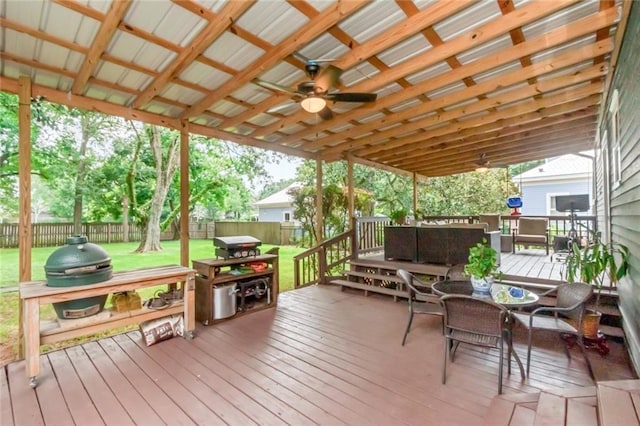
322,265
354,237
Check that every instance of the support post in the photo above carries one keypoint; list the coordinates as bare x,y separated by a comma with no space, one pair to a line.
25,237
415,196
184,194
319,215
350,190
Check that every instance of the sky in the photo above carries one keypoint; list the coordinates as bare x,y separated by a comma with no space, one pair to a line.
285,170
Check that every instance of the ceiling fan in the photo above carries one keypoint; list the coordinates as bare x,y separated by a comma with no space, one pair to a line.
314,93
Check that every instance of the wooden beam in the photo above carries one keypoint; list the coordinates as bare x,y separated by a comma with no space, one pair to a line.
90,104
456,149
380,166
6,23
560,148
184,194
514,132
355,55
499,151
509,79
462,44
25,238
521,123
309,31
231,12
422,126
101,40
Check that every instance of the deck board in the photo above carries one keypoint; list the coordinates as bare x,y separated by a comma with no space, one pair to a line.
323,356
51,399
6,410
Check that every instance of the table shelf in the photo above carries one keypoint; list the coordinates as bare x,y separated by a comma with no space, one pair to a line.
33,294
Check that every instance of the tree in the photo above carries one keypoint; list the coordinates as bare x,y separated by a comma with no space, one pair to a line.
164,147
43,155
465,194
334,209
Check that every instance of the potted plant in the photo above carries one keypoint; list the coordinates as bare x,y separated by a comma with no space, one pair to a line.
596,264
399,216
482,267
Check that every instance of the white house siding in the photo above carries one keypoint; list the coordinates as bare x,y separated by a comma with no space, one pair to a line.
625,195
274,214
536,198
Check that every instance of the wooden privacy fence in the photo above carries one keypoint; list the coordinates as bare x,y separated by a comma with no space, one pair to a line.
276,233
55,234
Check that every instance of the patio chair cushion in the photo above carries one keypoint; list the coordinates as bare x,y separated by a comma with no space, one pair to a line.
532,226
491,220
532,231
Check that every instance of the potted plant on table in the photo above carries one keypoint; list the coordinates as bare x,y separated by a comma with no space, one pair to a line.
482,267
596,264
399,216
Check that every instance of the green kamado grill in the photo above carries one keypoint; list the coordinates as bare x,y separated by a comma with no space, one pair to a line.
78,263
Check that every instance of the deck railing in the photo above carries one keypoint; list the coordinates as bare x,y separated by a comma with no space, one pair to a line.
330,258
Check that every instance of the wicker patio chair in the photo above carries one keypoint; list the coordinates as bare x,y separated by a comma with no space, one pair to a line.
475,321
492,221
565,318
421,301
531,232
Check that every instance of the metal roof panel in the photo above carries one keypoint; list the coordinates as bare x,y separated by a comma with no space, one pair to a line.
272,21
166,20
372,20
233,51
409,48
467,19
203,75
181,94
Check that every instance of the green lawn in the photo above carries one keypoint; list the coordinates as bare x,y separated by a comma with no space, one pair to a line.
122,259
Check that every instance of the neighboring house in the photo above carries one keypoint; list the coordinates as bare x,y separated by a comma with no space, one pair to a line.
276,207
567,175
617,174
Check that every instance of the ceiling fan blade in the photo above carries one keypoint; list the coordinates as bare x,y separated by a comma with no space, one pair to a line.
325,113
352,97
273,86
328,78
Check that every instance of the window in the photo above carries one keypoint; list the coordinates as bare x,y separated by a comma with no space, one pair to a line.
552,205
287,216
614,125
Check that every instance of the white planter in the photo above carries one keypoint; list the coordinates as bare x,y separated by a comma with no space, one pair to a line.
482,285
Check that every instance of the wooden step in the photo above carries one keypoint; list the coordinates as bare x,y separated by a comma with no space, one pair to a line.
567,406
438,271
375,277
611,331
370,288
619,402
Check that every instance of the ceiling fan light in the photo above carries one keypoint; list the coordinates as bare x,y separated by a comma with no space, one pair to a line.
313,104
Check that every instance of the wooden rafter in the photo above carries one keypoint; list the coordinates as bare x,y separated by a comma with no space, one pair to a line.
453,79
99,44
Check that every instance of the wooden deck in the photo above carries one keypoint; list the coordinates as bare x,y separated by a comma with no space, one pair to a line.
323,356
531,263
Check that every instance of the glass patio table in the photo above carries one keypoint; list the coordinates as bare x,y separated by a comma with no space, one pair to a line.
511,297
503,294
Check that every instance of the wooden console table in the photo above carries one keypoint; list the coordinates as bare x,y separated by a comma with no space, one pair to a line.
218,272
36,293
